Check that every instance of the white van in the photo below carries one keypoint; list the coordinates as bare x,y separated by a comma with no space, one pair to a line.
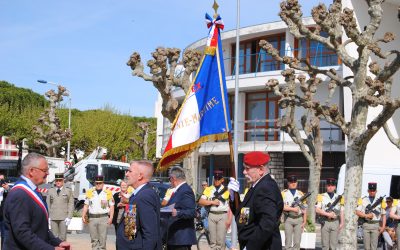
386,177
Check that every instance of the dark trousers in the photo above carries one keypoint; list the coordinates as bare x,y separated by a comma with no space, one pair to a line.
2,231
116,229
173,247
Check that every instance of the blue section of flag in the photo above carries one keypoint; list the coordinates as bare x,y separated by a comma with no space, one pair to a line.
209,95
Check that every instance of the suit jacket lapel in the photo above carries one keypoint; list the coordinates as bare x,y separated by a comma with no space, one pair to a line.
251,190
247,196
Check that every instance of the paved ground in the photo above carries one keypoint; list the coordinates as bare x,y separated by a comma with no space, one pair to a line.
82,240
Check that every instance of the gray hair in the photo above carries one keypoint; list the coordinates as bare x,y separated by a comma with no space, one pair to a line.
178,173
146,167
31,160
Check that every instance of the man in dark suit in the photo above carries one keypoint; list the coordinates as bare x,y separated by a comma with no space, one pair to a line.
25,211
258,216
181,232
140,226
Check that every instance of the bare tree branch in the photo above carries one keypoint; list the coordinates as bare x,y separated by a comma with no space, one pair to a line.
395,141
163,74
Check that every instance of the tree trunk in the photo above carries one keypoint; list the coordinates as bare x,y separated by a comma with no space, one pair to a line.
145,144
190,164
313,187
19,163
352,191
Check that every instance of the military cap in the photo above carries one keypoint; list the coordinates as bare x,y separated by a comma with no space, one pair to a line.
218,175
256,158
99,178
59,176
331,181
372,186
292,178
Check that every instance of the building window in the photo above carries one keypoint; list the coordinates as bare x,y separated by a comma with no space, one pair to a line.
254,59
315,53
262,112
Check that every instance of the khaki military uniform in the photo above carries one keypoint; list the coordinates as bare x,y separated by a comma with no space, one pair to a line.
329,227
217,217
293,221
371,227
61,206
99,209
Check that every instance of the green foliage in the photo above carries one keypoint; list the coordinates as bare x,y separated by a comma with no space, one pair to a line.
309,227
20,108
105,128
19,99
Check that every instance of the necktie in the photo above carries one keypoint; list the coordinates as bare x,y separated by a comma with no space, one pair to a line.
58,191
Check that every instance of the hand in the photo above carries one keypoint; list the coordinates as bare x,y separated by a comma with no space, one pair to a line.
331,215
233,185
369,216
67,221
215,202
381,229
174,212
341,226
5,186
124,200
227,224
303,224
295,209
109,222
65,245
83,219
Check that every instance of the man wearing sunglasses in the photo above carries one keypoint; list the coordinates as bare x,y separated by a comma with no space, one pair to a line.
60,200
25,211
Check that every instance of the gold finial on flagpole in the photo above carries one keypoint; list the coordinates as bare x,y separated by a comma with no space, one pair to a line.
215,7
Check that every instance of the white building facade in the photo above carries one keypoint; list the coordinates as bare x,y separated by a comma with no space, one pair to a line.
258,109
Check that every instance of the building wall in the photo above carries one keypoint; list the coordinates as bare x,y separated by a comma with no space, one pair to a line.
373,154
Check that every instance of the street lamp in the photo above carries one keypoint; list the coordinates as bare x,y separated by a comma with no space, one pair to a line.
69,114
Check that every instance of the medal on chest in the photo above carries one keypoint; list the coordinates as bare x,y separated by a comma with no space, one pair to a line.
130,222
244,216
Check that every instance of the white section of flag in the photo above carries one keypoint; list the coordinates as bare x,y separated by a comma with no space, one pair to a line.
187,127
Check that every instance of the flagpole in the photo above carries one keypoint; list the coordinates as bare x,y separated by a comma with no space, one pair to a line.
234,235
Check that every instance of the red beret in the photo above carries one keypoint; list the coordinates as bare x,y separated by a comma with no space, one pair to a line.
256,158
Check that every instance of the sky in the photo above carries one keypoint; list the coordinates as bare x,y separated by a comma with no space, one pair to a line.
84,45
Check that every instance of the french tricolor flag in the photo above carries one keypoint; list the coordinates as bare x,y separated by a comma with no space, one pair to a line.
204,114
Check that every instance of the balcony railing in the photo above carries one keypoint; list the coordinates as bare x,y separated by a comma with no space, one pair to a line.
263,62
261,134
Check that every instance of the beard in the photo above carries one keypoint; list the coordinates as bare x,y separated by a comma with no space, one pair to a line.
249,179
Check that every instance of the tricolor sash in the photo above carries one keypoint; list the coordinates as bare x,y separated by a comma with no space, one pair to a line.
35,197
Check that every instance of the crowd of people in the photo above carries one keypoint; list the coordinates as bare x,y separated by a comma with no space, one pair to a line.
141,221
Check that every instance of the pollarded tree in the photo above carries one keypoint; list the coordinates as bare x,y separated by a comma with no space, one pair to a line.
164,76
49,133
311,143
370,84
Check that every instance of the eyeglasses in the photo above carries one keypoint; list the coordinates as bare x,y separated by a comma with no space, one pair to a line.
46,171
